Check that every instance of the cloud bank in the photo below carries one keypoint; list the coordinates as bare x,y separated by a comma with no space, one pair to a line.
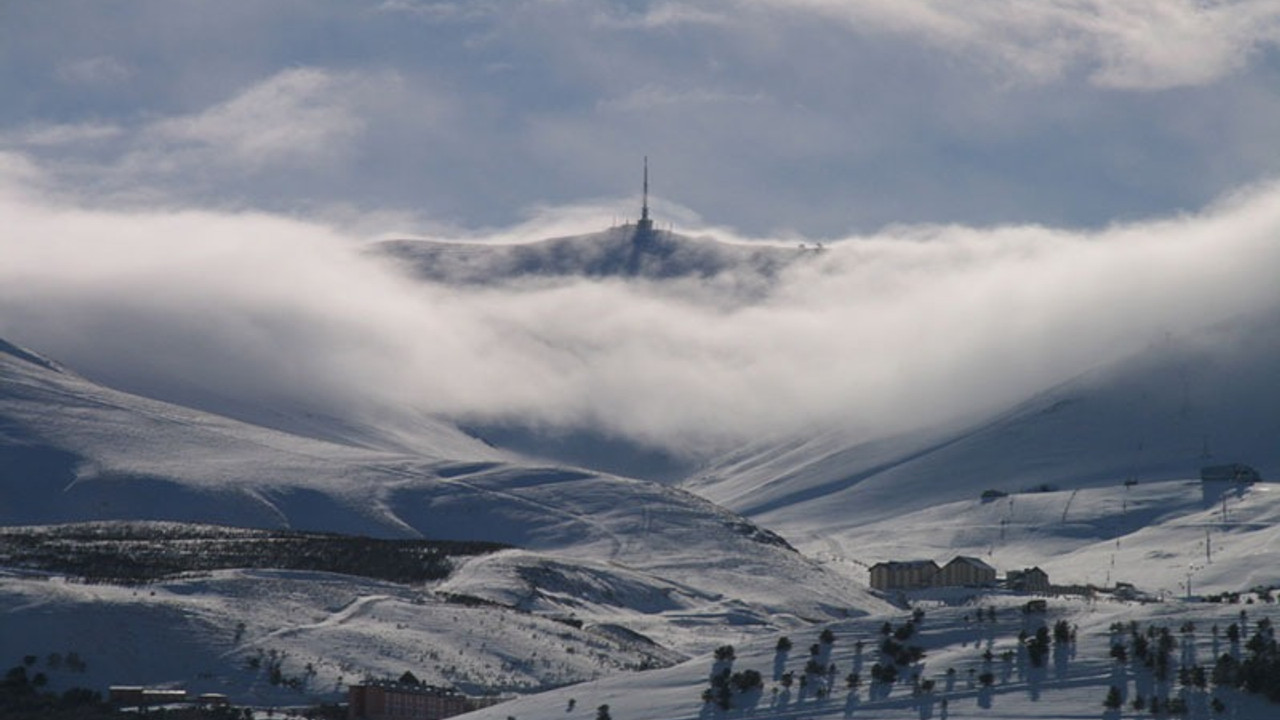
882,332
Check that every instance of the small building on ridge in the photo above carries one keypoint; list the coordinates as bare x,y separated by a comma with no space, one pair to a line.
1232,472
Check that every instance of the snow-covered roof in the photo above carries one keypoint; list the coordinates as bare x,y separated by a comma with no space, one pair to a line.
904,564
972,561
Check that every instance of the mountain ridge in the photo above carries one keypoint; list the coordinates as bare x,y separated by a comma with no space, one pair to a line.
622,251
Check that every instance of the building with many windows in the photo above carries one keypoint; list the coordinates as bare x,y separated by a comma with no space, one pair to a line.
1029,580
961,571
965,571
408,701
903,574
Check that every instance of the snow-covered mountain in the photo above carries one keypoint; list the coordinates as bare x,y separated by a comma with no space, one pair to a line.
1157,535
649,564
1195,400
1102,482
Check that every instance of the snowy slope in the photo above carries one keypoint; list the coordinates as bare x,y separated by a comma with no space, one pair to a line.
1071,685
1119,450
220,632
72,450
1194,400
1156,536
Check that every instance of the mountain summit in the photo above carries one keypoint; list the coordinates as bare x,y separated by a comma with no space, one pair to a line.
632,250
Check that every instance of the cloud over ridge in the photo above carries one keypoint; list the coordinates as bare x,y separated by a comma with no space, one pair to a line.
884,332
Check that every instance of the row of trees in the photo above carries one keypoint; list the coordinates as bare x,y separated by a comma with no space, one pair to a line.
24,694
134,553
1259,671
1256,670
729,689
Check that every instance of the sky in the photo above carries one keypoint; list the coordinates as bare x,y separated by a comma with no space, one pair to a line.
1011,191
819,118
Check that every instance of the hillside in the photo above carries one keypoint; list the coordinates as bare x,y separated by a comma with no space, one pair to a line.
1157,536
1152,534
1071,683
1160,415
672,570
273,637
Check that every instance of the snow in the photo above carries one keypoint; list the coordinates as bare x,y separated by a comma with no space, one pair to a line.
74,450
1072,685
202,633
1202,399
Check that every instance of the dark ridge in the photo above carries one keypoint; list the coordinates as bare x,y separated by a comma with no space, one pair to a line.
142,552
28,356
624,251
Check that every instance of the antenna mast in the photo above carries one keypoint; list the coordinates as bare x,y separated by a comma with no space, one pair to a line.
645,225
644,208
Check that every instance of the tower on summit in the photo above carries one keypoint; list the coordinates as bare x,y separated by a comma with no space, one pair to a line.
646,224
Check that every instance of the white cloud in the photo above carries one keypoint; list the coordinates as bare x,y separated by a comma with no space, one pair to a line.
440,11
1124,44
302,116
19,176
65,134
658,15
99,71
652,96
884,332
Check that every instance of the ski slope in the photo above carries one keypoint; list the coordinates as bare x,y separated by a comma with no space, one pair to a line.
1201,399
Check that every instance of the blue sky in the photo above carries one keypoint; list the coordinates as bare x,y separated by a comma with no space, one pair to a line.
771,118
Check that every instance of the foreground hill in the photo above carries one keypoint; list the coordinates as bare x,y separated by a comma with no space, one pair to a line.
1072,681
658,564
273,637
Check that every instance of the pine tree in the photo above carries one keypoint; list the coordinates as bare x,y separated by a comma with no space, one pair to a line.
1113,700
